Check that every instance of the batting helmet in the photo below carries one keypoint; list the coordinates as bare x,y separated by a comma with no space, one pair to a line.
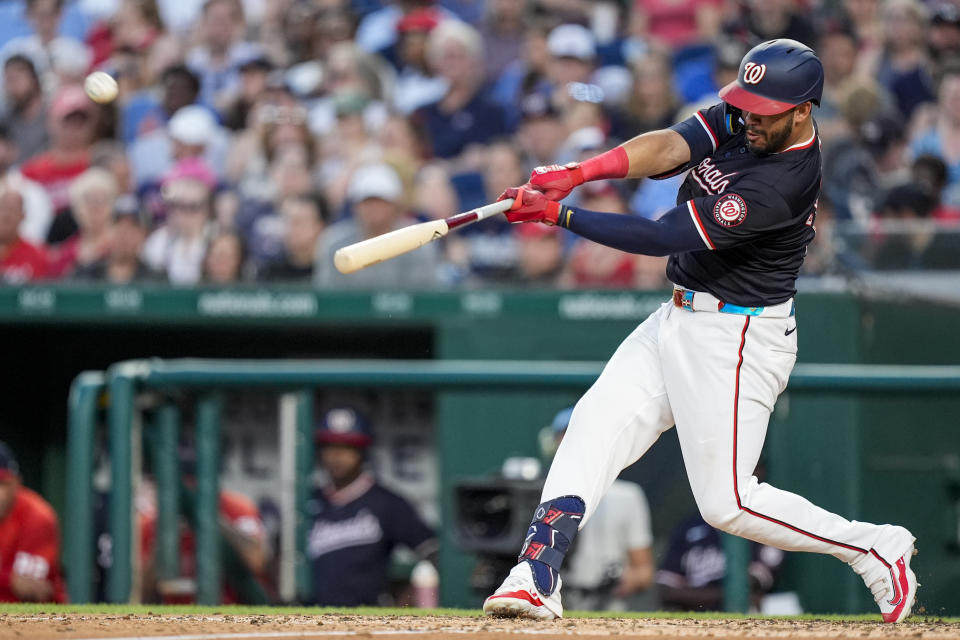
775,76
344,425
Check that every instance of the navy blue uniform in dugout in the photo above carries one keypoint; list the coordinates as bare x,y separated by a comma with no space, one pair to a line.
755,214
353,533
695,559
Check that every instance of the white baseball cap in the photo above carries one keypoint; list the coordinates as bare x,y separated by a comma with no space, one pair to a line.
572,41
193,125
375,181
70,57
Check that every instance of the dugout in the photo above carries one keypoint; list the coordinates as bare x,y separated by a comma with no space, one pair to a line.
877,455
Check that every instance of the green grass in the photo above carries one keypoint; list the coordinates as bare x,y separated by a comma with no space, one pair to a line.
234,610
241,610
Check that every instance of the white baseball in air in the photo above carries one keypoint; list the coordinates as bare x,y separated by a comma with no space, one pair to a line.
101,87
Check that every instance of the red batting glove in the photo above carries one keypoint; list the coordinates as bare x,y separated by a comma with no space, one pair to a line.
556,181
529,205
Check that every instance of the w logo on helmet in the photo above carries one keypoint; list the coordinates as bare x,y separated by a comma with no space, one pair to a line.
753,73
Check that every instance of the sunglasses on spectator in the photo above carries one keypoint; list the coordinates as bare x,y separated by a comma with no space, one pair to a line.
583,92
186,205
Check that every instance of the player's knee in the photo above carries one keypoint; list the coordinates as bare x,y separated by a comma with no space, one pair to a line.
721,519
720,514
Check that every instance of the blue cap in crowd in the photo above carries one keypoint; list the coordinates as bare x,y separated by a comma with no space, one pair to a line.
8,463
344,425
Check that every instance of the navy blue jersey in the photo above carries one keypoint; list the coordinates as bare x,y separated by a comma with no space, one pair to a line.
754,214
352,535
449,133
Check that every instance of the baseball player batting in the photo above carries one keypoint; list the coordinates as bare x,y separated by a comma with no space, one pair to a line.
714,359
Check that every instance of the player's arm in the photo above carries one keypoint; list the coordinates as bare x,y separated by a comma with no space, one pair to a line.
248,542
35,559
676,593
675,232
656,154
638,574
29,578
708,598
710,222
650,154
403,525
28,589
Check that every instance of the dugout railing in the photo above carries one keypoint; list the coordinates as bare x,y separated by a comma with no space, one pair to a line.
206,380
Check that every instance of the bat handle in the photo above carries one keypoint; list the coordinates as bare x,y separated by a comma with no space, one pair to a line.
480,213
492,209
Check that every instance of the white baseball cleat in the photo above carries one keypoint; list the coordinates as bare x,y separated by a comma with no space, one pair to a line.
894,587
518,597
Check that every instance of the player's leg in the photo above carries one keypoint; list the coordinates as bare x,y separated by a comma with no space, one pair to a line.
612,425
722,394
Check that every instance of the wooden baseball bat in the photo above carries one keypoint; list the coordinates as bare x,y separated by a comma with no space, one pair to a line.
390,245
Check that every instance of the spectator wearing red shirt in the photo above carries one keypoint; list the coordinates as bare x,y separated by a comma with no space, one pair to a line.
37,209
71,130
678,23
20,261
29,540
241,528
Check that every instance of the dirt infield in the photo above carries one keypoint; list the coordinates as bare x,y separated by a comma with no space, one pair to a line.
268,627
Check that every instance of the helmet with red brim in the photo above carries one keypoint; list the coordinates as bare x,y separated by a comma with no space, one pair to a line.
774,77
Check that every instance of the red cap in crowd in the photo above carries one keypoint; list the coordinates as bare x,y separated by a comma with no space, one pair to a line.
191,169
419,20
70,99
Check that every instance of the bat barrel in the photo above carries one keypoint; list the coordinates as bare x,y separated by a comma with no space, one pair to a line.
390,245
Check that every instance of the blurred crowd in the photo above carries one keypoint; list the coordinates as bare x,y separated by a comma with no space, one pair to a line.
252,138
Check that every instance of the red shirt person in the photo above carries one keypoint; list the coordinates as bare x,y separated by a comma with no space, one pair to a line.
242,527
20,261
72,120
29,540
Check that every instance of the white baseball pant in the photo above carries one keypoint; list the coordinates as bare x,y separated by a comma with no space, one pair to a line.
717,377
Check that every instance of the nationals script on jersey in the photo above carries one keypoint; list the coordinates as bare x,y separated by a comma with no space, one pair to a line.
755,214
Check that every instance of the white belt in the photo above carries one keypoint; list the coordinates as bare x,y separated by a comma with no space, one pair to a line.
702,301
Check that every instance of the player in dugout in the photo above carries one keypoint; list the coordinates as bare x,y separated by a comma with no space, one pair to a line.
242,539
29,540
693,568
714,359
357,522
